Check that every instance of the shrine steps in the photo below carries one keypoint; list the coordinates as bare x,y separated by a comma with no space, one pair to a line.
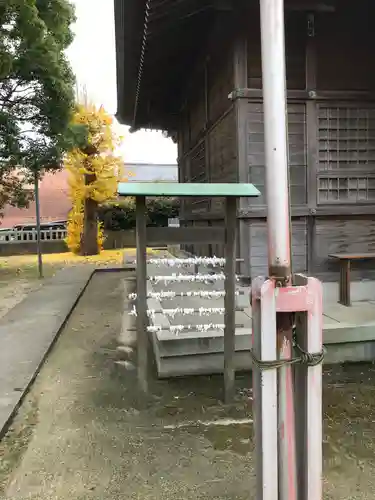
197,353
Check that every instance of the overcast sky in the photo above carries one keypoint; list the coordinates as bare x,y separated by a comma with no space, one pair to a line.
92,56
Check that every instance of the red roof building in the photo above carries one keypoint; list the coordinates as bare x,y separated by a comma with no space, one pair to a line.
54,200
54,203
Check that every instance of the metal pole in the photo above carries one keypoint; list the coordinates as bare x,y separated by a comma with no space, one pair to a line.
37,216
265,389
275,132
278,221
308,395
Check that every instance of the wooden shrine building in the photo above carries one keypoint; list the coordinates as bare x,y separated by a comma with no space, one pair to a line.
193,69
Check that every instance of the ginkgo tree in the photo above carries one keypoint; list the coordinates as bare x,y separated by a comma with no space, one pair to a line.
94,171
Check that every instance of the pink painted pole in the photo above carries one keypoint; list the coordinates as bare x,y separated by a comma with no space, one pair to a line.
286,421
275,137
308,390
265,389
314,452
278,222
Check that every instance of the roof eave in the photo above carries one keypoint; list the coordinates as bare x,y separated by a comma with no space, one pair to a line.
129,18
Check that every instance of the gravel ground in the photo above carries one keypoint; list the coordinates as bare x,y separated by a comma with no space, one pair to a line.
80,434
14,292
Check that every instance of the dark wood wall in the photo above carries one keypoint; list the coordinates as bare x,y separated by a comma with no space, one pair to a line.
207,136
331,132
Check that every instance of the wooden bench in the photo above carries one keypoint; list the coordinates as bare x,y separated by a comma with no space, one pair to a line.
345,260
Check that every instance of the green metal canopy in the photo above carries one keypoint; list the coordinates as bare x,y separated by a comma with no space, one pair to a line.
186,189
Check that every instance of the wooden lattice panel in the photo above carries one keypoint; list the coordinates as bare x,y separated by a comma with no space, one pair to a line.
346,189
346,139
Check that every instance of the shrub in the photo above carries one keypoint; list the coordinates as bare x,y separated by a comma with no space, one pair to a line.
121,215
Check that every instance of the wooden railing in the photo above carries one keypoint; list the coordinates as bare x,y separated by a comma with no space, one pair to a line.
13,236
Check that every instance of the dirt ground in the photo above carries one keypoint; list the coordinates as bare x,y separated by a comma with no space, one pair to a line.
80,434
13,292
19,273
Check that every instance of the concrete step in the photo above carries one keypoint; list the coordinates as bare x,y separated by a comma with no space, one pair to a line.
196,353
203,364
349,333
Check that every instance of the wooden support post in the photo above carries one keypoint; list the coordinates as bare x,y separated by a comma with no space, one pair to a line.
345,298
312,140
230,298
241,114
311,230
141,303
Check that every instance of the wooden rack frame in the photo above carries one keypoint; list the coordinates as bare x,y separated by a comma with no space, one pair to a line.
175,236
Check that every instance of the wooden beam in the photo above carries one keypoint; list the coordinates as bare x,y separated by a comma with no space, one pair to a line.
240,108
330,210
141,302
312,140
327,7
157,236
242,133
257,94
311,237
230,299
304,95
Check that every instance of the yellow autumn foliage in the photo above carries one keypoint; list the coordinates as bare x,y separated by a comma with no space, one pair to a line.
94,171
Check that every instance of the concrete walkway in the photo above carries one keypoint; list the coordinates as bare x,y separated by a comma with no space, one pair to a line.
28,331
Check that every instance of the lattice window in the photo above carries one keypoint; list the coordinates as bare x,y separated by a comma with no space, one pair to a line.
346,189
346,138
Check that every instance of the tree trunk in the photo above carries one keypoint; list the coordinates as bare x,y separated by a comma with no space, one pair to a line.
89,240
